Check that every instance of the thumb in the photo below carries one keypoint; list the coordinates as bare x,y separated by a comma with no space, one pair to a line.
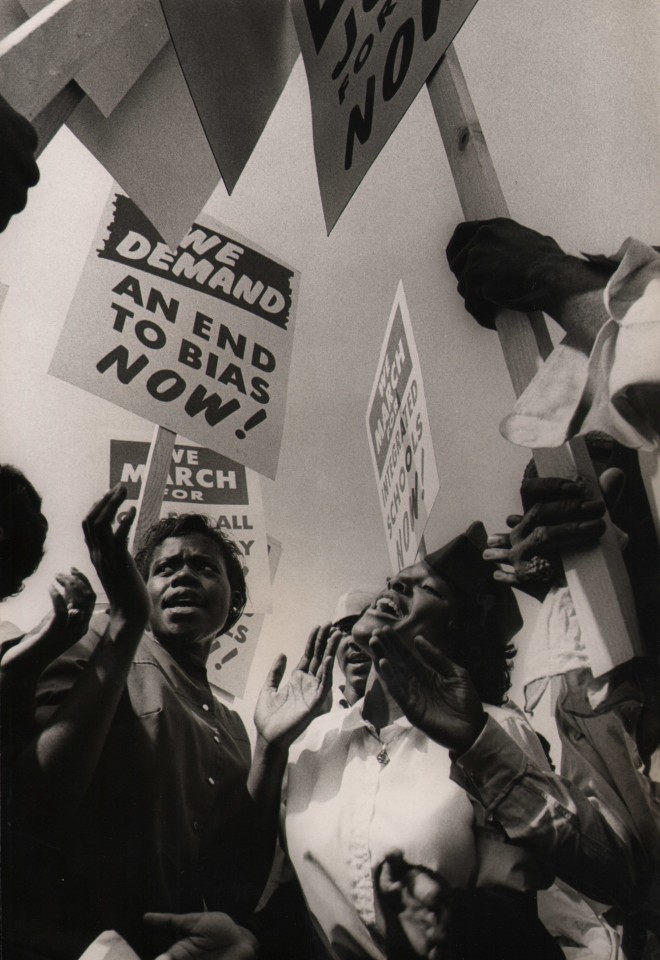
611,482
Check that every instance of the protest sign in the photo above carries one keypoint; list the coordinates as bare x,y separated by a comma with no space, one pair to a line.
197,340
236,57
202,481
229,662
400,439
366,61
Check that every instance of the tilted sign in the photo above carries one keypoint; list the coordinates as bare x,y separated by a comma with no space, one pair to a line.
197,340
400,439
366,61
202,481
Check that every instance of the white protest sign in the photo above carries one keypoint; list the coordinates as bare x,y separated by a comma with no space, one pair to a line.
197,340
228,665
400,439
366,61
202,481
229,662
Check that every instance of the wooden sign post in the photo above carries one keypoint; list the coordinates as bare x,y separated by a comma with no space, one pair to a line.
597,577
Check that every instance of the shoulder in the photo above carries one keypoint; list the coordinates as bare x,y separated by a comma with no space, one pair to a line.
514,722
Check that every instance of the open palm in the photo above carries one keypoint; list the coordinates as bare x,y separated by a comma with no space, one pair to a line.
436,695
284,712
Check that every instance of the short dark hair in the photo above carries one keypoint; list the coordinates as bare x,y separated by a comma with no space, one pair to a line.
183,524
485,651
23,530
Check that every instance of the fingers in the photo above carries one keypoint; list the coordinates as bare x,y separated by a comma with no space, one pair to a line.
612,482
124,526
320,650
59,603
325,672
546,489
306,659
276,673
512,521
497,555
97,525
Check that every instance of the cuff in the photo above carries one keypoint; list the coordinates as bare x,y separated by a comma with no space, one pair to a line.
492,765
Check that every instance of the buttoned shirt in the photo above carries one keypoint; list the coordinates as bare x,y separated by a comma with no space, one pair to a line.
355,795
163,822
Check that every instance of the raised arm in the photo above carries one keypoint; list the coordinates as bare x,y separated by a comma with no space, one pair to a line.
83,691
24,659
585,839
500,263
283,713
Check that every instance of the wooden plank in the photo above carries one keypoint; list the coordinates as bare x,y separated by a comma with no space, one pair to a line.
597,577
153,485
53,116
40,57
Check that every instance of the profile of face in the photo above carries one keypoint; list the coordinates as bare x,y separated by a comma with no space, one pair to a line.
189,589
416,602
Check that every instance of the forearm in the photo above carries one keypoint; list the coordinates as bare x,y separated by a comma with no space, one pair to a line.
574,297
60,761
582,839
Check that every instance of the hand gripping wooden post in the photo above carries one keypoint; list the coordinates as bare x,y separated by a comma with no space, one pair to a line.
597,577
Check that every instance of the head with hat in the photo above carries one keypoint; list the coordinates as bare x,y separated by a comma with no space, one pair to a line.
451,599
353,662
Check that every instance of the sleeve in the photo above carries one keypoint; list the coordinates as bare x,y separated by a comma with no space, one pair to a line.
616,389
585,842
60,675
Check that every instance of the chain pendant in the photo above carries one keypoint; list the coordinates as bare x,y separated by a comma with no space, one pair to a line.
382,757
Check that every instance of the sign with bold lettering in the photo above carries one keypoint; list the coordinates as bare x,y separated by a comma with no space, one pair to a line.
400,439
232,653
202,481
197,340
366,61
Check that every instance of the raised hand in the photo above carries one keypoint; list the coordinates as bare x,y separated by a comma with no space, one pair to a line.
559,515
202,936
64,625
500,263
284,712
108,549
436,695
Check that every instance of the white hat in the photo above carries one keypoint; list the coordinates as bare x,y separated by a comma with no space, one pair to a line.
352,604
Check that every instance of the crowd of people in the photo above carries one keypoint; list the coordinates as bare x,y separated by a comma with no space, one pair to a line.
410,811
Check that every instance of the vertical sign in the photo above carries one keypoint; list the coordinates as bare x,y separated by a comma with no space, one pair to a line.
400,439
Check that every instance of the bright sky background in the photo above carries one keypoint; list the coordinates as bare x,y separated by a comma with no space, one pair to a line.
567,94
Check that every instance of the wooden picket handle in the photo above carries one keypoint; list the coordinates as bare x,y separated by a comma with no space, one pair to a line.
153,485
597,577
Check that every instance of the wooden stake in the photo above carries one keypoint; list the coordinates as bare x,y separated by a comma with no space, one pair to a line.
155,481
596,577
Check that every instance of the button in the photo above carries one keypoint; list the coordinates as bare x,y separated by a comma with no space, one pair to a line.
216,738
195,826
206,707
212,781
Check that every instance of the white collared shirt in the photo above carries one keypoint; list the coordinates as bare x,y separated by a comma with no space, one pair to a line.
353,797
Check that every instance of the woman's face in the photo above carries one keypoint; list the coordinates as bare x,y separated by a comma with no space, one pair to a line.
416,602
